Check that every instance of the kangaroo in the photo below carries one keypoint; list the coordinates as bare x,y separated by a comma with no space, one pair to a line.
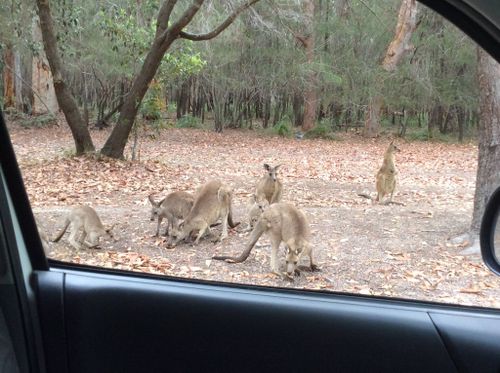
212,202
85,218
255,209
43,237
386,176
173,207
283,222
269,187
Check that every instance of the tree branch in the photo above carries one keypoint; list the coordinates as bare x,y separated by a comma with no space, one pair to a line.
188,15
164,16
212,34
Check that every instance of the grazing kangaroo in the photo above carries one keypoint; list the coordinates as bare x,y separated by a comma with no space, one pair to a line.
86,219
173,207
386,176
269,187
255,209
212,202
283,222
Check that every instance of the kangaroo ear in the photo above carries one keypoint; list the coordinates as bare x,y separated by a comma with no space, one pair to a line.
266,167
150,197
276,167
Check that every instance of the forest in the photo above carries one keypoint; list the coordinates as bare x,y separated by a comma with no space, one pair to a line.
97,93
259,73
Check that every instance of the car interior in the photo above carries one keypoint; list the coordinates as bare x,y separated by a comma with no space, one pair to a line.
62,317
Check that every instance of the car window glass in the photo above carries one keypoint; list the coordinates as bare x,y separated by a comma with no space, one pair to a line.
345,132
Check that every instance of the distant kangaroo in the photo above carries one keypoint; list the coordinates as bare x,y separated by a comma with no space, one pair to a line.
386,176
269,187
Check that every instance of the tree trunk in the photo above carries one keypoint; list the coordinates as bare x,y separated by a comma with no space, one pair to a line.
310,94
116,142
80,132
488,167
407,20
9,97
18,81
372,122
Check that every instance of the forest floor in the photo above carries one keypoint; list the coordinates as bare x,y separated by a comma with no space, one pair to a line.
360,246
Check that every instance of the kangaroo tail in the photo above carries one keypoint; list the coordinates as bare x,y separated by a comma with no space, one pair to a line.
256,233
59,236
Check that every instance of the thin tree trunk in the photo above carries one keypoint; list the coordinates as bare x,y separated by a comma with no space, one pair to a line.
18,81
80,132
310,94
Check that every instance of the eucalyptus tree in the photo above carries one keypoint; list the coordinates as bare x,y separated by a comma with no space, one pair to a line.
171,20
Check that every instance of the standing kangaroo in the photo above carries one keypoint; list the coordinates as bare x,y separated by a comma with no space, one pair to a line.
269,187
173,207
212,202
86,219
283,222
386,176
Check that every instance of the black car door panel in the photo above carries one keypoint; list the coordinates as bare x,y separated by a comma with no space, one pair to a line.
119,324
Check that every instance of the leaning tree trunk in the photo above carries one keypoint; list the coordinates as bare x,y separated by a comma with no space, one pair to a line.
116,142
488,166
67,103
407,21
166,33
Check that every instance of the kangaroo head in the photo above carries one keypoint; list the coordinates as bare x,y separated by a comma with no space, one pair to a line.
223,193
109,231
262,204
155,208
393,148
292,258
272,171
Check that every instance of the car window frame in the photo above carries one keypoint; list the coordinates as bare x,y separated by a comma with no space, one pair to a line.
464,16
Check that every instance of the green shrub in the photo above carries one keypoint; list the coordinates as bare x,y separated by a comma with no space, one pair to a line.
38,121
153,104
188,121
151,109
283,128
322,130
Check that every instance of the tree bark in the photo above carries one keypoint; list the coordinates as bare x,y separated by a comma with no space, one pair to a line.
18,81
80,132
407,21
488,166
9,97
310,94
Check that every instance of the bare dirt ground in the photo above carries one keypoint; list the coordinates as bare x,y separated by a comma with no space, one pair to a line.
361,247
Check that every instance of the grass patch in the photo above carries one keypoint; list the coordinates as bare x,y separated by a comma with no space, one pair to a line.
283,128
188,121
322,130
38,121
